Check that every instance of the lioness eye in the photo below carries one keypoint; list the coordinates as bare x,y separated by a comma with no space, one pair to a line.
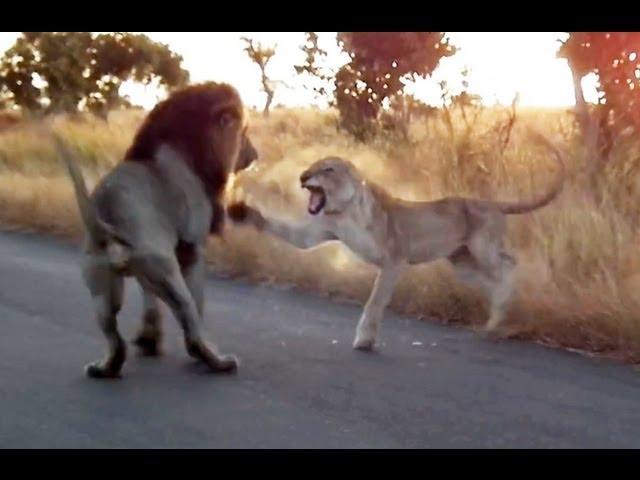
328,169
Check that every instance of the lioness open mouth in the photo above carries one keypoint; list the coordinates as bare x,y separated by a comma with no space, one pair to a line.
317,200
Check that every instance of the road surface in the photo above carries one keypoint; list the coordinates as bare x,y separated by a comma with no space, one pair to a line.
300,385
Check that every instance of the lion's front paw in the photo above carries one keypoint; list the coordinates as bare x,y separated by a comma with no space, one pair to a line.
149,346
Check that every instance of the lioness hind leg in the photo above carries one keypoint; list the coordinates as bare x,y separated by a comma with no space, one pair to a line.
162,276
502,291
149,337
107,290
487,247
495,279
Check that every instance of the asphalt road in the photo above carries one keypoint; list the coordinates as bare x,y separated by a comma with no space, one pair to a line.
300,384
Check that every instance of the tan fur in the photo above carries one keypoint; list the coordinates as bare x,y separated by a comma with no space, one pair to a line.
392,233
150,216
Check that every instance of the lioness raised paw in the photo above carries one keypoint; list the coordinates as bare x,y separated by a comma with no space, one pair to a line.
240,212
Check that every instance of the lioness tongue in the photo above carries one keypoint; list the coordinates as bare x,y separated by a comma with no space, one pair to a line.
316,199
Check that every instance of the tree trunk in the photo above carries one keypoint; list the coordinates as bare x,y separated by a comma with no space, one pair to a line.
590,129
269,90
404,118
265,112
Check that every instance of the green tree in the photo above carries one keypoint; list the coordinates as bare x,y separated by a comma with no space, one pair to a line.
381,63
614,58
73,71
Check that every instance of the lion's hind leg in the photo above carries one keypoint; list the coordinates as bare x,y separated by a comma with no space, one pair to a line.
107,289
149,337
161,275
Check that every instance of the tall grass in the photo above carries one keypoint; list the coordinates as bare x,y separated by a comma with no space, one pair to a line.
578,261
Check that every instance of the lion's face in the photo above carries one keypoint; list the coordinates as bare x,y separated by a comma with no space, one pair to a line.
226,137
232,144
332,184
206,124
248,154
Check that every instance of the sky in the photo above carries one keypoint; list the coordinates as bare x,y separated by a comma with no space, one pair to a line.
500,65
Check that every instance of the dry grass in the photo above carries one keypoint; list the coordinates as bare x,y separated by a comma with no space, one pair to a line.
579,263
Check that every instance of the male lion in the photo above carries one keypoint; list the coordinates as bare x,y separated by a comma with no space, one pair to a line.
392,233
150,216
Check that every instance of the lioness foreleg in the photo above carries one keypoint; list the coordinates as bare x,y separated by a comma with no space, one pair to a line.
371,319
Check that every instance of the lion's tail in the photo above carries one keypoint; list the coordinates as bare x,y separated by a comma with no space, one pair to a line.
96,228
87,211
550,194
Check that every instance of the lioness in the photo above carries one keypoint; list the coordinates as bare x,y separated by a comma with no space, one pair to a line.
392,233
150,216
